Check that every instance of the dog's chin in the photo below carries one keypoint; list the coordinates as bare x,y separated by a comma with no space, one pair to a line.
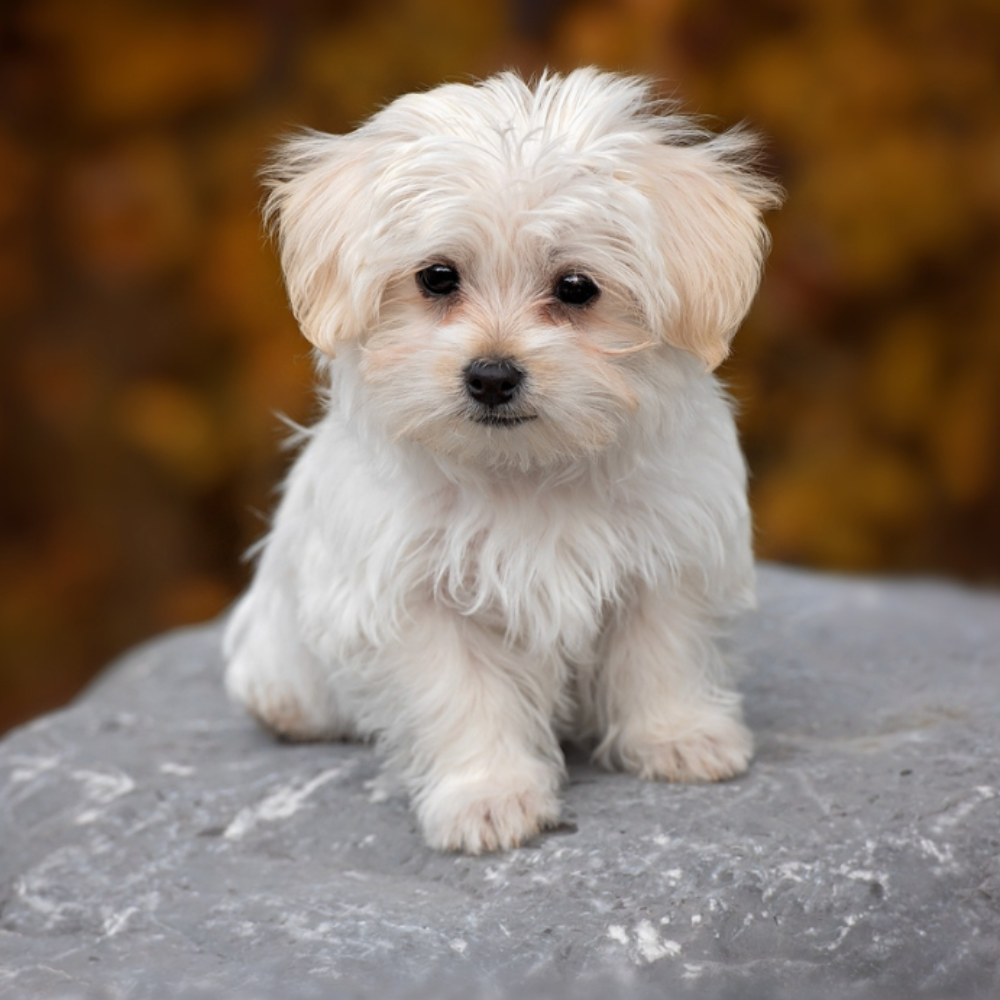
494,442
503,420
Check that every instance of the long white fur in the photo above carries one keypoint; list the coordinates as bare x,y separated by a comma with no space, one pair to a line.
470,594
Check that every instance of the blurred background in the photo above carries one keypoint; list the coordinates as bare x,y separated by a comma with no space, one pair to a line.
146,343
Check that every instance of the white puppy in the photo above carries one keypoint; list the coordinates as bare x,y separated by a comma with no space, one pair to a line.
522,516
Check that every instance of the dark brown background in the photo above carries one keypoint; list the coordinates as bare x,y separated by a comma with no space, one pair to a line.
146,341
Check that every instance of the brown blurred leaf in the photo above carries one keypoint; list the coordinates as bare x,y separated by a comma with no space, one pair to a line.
136,60
130,212
174,427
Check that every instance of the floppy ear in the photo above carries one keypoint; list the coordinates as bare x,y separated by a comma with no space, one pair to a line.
707,202
317,207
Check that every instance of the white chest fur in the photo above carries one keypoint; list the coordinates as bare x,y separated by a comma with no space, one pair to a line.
536,561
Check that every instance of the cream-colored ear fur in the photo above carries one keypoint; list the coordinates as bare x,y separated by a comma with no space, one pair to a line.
708,202
317,207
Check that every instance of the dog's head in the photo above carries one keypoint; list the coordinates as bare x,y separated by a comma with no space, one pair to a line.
517,271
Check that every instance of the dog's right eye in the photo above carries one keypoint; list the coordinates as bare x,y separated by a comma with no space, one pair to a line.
438,279
576,290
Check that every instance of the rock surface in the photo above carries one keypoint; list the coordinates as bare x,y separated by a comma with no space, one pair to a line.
153,842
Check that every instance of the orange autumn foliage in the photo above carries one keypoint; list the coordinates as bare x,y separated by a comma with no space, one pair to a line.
147,343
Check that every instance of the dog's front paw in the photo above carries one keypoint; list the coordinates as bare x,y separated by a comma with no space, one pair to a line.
712,747
482,815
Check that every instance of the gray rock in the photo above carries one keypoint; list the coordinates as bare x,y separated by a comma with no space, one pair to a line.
153,842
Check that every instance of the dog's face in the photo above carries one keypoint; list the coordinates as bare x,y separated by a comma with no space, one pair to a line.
517,346
517,274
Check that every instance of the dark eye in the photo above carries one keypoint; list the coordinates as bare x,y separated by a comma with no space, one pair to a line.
438,279
576,290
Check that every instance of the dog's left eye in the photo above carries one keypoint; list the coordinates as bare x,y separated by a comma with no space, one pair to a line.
438,279
576,290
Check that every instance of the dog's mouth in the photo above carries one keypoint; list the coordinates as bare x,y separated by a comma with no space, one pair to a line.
503,419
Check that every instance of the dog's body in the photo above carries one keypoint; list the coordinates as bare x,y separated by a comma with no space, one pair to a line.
522,516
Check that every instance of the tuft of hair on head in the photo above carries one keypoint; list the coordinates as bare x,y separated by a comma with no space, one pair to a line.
337,203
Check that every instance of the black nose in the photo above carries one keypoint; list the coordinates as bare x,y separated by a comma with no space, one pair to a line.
493,382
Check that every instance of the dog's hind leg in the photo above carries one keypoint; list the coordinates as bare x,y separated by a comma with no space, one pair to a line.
272,673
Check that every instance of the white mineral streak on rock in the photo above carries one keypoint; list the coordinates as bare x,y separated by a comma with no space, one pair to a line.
101,788
863,874
650,946
954,815
796,871
114,923
282,804
297,927
497,873
618,933
940,853
378,790
31,889
810,791
849,921
31,767
181,770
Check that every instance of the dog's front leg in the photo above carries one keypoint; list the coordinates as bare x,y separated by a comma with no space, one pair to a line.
471,728
664,707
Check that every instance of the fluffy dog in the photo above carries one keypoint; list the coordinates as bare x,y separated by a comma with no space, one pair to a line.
522,516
